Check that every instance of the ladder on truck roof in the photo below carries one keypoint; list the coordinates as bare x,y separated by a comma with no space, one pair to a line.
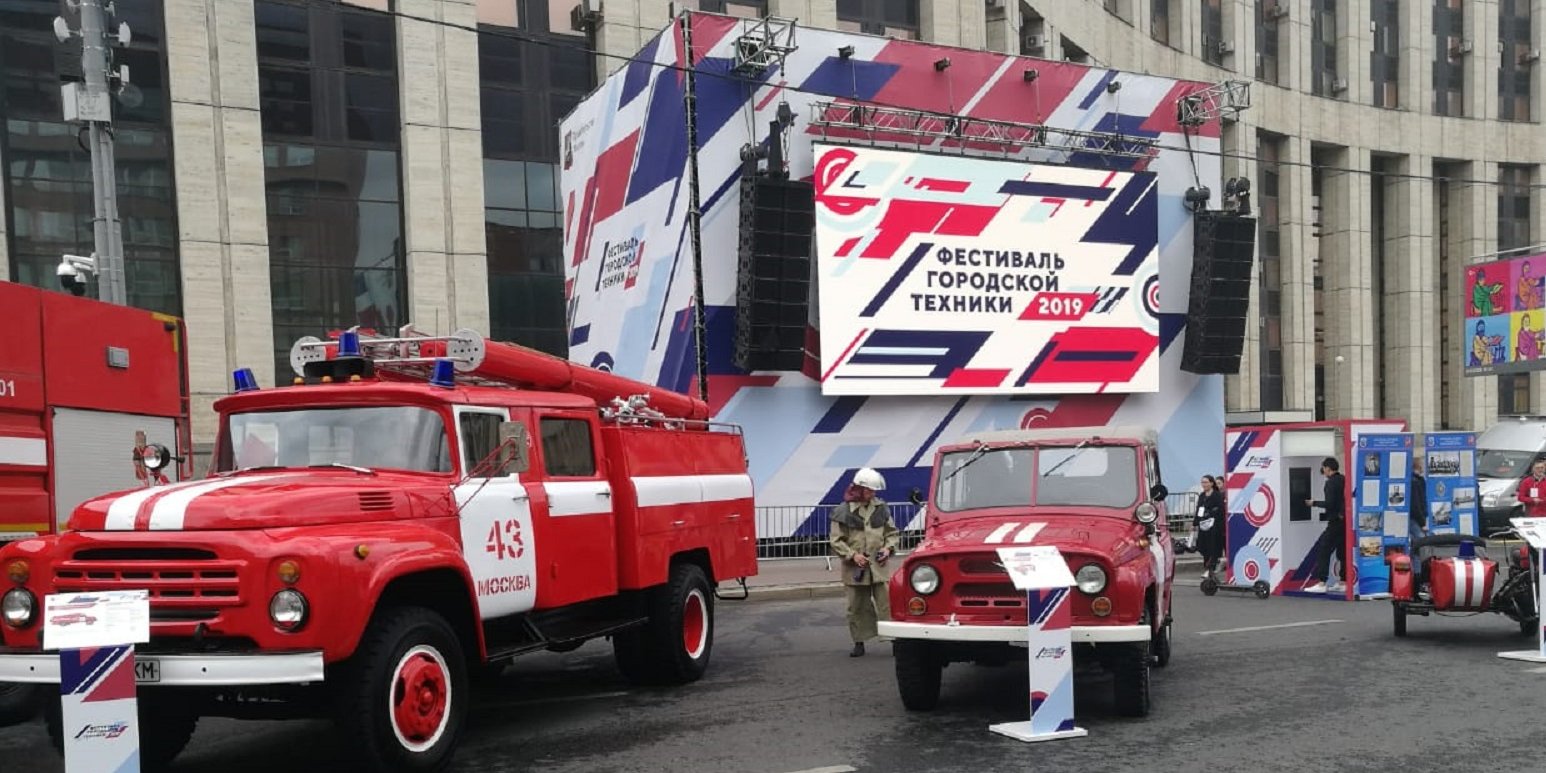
467,357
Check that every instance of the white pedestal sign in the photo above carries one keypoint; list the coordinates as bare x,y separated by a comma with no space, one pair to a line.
1043,574
1534,532
95,634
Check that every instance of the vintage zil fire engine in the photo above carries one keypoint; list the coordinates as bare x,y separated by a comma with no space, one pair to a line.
413,510
1092,492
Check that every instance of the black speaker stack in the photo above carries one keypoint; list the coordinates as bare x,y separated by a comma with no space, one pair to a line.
1225,248
773,286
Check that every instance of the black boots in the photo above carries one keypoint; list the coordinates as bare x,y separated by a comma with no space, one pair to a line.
858,650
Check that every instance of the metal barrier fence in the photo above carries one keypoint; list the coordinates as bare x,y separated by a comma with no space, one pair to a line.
802,531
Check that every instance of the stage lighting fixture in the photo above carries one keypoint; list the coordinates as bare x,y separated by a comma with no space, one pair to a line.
846,52
1113,87
1030,74
940,65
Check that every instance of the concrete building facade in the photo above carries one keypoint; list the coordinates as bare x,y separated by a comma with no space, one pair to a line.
302,165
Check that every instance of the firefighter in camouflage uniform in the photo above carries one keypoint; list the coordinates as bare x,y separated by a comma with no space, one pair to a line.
864,536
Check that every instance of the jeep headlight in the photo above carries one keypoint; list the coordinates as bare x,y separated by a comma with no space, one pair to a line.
18,607
1091,579
924,579
287,609
1146,513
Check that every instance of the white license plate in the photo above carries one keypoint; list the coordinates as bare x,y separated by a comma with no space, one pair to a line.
147,671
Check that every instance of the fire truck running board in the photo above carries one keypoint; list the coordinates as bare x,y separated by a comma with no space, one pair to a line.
565,627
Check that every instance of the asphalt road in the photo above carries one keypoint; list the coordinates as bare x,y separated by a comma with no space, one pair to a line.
1334,692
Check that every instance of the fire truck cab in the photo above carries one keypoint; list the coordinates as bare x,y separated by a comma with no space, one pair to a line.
411,509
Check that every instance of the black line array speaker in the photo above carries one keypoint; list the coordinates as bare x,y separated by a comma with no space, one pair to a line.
773,279
1225,249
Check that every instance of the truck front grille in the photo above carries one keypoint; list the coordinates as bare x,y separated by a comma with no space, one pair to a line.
193,581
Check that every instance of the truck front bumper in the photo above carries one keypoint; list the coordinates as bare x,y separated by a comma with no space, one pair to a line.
182,670
1010,634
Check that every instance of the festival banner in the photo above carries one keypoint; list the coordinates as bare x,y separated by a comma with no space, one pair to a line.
949,275
1505,316
1382,501
1450,468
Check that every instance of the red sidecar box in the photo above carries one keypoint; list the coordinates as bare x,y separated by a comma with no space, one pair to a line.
1461,583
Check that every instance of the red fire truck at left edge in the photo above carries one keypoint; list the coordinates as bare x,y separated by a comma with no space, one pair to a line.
411,513
93,399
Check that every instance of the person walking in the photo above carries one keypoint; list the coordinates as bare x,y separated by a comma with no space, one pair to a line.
1210,524
1532,490
865,537
1334,538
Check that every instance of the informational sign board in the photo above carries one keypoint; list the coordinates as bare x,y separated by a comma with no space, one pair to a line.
958,275
1505,316
1449,466
1043,574
95,635
1382,502
1533,530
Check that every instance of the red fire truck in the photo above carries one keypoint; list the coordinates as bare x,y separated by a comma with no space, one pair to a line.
412,509
89,392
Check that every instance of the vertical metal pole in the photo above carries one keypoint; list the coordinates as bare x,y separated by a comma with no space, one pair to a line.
690,105
107,233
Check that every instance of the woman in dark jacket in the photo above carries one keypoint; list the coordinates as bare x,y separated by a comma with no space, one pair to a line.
1210,524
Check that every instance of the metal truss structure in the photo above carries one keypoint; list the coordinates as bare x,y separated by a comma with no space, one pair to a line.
923,125
1224,100
764,43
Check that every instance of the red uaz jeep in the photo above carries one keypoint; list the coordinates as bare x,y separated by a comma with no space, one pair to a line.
1095,494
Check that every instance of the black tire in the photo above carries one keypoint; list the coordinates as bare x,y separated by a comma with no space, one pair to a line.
1160,647
917,674
404,647
166,726
659,652
1210,586
19,702
1130,682
1261,589
1398,620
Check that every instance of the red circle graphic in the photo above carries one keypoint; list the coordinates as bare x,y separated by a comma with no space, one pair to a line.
1260,519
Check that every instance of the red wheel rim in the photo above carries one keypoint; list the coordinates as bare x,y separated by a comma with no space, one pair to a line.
695,625
420,699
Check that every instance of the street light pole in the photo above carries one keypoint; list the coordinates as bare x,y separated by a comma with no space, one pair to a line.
91,103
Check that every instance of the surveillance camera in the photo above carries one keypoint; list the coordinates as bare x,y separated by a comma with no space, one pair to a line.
70,279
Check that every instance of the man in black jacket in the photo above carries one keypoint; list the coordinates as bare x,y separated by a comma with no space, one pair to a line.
1334,538
1417,497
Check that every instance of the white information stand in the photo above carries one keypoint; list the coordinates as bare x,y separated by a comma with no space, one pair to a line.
1043,574
95,634
1534,532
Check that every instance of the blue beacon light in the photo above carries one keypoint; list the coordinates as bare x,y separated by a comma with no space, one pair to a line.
444,374
244,380
349,344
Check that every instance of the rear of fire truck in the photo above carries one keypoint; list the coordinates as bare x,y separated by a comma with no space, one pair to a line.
412,511
89,392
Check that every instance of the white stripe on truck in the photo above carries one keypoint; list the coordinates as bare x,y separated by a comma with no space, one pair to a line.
168,512
665,490
29,451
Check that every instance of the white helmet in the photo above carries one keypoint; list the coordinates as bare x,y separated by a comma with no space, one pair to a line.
869,479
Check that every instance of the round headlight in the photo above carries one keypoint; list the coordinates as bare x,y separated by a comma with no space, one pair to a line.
287,609
1146,513
925,579
1091,579
18,608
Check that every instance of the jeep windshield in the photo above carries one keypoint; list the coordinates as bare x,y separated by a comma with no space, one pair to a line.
359,437
1047,476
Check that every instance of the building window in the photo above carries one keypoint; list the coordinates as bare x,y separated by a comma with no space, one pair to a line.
1323,49
745,9
327,84
527,89
1517,60
1448,72
1269,151
1320,160
1213,42
1116,8
892,18
1385,60
1267,40
1441,194
1159,20
47,171
1033,32
1383,173
1514,199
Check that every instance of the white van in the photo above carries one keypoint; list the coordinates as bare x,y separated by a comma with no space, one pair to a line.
1503,456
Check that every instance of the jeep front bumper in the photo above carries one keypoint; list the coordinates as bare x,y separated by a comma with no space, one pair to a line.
182,670
1010,634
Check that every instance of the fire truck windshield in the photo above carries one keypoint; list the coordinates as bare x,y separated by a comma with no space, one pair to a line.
1091,476
385,437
